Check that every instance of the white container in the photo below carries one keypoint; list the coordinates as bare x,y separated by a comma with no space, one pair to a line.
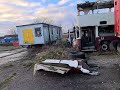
39,33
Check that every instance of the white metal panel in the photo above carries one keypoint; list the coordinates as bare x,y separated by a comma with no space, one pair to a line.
71,63
55,33
55,36
51,35
94,19
39,40
50,68
46,34
20,39
96,31
47,66
60,33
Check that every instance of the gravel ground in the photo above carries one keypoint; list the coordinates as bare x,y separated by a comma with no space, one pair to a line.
23,79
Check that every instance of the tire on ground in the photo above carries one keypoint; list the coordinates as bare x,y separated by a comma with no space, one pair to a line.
118,47
113,45
104,46
77,55
29,46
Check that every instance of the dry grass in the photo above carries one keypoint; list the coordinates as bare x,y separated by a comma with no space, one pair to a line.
52,52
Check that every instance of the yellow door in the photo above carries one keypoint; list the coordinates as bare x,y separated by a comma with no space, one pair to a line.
28,37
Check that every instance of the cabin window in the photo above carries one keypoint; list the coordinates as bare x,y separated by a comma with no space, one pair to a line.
103,22
38,32
106,30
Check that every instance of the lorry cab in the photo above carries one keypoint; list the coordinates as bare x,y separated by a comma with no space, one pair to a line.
95,26
117,17
117,21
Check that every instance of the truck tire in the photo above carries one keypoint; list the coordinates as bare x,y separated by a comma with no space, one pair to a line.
113,45
104,46
118,47
77,55
29,46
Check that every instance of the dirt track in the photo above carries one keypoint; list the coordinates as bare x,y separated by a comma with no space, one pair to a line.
13,55
23,78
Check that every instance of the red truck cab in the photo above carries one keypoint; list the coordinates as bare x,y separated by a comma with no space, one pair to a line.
117,17
95,28
117,20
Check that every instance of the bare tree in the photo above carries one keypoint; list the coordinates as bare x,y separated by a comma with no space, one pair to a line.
13,31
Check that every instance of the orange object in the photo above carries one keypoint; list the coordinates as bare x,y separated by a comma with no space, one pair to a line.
28,36
15,43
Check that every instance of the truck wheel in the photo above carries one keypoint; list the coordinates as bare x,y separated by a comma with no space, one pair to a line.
105,46
76,55
118,47
113,45
29,46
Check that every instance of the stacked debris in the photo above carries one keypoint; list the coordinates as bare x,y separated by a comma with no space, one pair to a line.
64,66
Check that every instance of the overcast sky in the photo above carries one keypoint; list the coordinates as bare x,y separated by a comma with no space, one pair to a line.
17,12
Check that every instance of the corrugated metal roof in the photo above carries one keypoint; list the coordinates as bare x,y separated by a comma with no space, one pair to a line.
37,24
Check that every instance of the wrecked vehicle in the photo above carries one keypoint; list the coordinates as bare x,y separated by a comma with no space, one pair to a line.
64,66
95,29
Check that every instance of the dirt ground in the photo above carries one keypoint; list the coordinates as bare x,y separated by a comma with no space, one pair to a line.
8,48
18,75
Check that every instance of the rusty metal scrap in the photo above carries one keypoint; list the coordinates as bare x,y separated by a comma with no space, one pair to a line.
96,5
